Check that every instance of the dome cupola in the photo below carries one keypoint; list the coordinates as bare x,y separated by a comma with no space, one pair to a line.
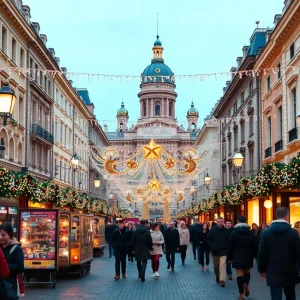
193,111
122,111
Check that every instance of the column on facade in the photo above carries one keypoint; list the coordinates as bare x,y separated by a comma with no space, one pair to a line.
151,107
162,107
141,107
147,108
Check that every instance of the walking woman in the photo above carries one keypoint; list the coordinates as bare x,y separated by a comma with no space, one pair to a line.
14,257
184,236
156,251
204,247
4,273
129,232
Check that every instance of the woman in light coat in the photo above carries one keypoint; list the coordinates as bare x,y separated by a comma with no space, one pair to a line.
156,251
184,236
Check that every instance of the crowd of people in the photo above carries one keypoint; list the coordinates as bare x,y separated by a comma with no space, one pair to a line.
276,250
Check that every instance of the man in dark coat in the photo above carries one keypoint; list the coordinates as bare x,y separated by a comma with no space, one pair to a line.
109,229
279,252
218,241
194,236
172,243
141,245
241,252
229,226
120,241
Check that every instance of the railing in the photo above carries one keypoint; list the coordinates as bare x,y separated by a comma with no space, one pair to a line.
293,134
278,146
268,152
41,132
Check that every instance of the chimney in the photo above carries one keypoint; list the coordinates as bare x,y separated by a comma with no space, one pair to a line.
26,13
267,35
64,70
239,62
277,19
71,82
36,27
228,83
245,50
224,90
57,59
105,128
52,52
44,39
232,70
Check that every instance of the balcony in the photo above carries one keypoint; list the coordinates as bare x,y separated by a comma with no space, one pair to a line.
293,134
268,152
41,133
278,146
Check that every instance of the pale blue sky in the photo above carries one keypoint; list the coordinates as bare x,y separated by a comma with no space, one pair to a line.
116,37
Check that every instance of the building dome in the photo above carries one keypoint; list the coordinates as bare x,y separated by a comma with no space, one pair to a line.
157,42
193,111
122,111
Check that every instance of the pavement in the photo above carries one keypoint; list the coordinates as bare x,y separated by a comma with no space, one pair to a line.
186,283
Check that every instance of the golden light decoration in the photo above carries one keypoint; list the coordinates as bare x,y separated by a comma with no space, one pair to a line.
131,164
169,163
154,184
152,151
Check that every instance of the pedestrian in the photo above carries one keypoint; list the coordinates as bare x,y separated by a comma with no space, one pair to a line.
141,244
184,238
204,247
109,229
241,251
195,231
130,229
4,273
229,226
256,231
120,241
297,227
218,241
279,253
156,251
172,243
15,260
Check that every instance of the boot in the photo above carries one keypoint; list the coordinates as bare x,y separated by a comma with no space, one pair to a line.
246,289
169,266
194,256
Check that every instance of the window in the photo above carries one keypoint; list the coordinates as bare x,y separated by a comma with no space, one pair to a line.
294,108
42,84
268,83
70,109
36,72
242,97
144,109
242,131
278,71
292,51
4,40
280,123
269,128
223,149
55,168
49,87
13,50
224,177
230,173
60,170
65,136
157,110
21,111
250,87
170,109
65,172
235,139
251,160
229,146
56,95
56,130
66,105
22,56
251,125
61,133
235,106
61,101
70,139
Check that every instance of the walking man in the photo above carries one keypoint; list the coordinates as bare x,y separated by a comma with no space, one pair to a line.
141,244
195,233
109,229
278,255
218,242
172,243
241,252
229,226
120,241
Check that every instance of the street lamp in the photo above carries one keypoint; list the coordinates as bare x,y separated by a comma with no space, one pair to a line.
97,181
75,161
7,104
207,180
238,160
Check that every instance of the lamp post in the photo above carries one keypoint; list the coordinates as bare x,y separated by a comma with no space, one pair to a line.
97,181
193,191
237,160
7,104
74,165
207,181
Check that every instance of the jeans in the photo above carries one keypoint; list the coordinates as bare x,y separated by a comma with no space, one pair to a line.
183,249
120,257
228,268
243,277
289,291
155,262
141,266
202,253
110,250
196,248
170,256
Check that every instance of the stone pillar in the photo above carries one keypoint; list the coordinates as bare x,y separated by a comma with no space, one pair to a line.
162,107
151,114
147,108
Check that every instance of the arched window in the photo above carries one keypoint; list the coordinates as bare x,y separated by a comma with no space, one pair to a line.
121,127
2,151
157,110
20,154
170,109
11,150
144,109
193,127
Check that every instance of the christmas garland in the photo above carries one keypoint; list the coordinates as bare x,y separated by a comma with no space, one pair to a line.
270,176
16,184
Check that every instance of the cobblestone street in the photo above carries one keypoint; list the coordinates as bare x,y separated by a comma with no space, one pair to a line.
186,282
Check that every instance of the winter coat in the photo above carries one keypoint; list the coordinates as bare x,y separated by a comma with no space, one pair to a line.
15,262
120,239
129,237
241,247
195,230
4,270
141,243
184,236
109,233
257,235
218,240
157,236
172,240
279,252
203,236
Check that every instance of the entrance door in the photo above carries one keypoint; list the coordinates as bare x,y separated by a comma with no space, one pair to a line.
294,201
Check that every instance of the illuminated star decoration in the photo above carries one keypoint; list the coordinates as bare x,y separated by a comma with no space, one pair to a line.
152,151
153,184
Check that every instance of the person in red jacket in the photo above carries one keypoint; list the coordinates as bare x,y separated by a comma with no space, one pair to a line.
4,270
